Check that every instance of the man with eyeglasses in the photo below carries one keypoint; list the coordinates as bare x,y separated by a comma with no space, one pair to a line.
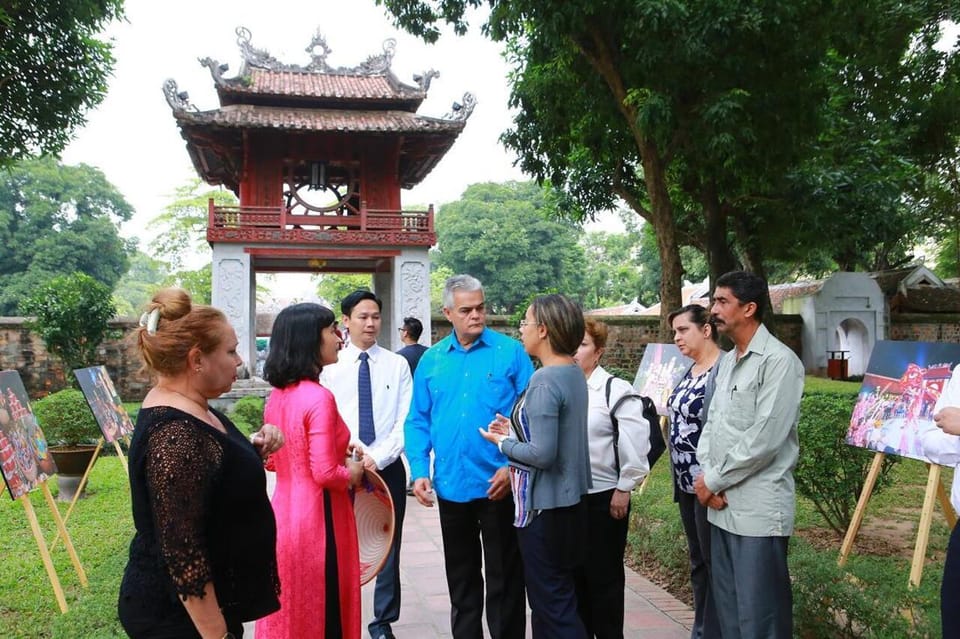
460,384
412,350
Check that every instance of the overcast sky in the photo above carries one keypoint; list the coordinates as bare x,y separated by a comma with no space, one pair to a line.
132,136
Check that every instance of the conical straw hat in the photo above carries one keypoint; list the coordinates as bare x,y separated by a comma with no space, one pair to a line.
373,509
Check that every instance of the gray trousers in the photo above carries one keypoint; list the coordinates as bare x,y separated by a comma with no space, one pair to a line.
751,585
697,528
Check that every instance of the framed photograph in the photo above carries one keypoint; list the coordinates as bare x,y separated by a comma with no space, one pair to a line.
102,397
24,457
895,404
661,369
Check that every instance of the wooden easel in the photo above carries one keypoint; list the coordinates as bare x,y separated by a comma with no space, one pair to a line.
933,491
86,475
45,550
665,433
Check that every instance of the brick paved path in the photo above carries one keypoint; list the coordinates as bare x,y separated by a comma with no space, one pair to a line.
651,612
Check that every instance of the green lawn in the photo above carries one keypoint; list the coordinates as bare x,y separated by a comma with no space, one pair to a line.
101,527
870,598
872,591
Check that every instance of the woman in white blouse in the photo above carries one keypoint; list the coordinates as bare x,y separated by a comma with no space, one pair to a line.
601,583
941,445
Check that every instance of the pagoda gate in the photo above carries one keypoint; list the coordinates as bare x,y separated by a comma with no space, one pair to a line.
317,157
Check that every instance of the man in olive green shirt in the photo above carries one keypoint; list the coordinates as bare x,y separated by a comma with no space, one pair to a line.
747,453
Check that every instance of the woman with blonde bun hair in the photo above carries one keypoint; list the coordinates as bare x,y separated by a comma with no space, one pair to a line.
202,560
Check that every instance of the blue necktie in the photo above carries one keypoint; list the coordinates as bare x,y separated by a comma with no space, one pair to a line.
365,404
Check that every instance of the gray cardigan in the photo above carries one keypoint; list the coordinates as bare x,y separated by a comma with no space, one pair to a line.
556,407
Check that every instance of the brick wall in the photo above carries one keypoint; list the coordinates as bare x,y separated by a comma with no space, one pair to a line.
628,335
916,327
42,374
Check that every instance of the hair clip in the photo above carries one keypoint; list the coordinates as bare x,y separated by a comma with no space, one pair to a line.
150,320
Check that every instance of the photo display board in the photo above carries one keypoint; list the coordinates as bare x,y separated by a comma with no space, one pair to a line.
895,404
661,369
24,457
98,389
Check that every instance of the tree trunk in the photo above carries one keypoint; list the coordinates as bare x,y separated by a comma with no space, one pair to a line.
752,257
599,54
720,258
665,227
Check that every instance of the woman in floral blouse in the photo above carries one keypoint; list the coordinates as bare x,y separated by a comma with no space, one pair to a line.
696,337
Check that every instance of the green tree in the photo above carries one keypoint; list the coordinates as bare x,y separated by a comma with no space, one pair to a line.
507,235
54,67
438,278
643,84
70,314
180,236
695,115
694,266
181,229
138,285
611,276
56,219
333,287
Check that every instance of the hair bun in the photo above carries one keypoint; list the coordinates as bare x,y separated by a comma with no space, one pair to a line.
173,303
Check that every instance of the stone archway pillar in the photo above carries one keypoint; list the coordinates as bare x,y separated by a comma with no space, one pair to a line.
234,292
405,291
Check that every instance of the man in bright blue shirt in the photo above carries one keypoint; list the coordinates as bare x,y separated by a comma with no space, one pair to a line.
460,384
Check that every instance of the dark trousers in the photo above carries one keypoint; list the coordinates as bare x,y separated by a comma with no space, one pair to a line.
141,625
751,585
553,547
697,528
386,595
600,582
950,588
462,526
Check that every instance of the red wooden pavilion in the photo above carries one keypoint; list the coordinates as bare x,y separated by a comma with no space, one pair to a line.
317,156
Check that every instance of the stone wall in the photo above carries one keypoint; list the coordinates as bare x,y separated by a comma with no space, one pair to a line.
916,327
42,374
628,335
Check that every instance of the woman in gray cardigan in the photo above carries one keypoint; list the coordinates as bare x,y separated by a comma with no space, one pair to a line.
545,440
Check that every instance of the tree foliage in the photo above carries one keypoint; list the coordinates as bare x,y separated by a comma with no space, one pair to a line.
751,131
70,314
333,287
54,67
58,219
507,235
138,285
180,237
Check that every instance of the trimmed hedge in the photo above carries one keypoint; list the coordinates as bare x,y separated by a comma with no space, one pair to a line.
830,472
247,414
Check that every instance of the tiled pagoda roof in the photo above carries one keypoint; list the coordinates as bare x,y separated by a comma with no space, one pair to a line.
267,94
250,116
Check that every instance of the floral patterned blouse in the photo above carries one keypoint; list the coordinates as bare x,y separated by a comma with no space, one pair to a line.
685,405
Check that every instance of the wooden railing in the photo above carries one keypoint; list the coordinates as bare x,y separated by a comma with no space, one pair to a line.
262,217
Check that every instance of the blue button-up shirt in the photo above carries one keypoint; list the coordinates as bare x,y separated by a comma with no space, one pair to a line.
456,391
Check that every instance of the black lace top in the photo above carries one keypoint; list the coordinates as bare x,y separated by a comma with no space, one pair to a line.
201,514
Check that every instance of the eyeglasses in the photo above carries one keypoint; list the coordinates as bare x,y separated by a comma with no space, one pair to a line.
526,323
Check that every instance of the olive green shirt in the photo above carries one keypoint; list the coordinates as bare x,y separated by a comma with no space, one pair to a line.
749,446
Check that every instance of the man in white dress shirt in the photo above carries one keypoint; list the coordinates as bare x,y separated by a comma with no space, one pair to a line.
373,386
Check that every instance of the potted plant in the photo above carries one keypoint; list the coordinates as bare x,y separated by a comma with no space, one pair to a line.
71,432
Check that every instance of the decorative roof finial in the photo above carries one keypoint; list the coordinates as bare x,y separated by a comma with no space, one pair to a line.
178,100
462,111
423,81
318,51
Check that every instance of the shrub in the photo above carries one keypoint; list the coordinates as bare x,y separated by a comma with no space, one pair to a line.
869,600
247,414
66,419
829,472
70,314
